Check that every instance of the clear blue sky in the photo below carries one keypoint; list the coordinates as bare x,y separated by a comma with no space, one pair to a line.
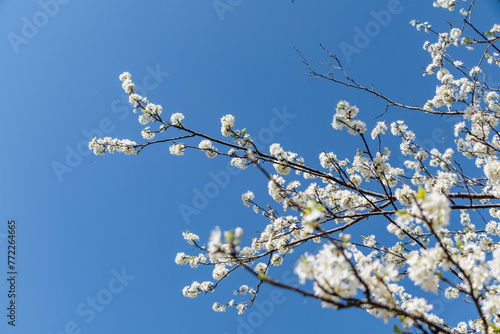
84,220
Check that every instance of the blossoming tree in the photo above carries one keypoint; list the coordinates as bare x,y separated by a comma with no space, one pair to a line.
444,216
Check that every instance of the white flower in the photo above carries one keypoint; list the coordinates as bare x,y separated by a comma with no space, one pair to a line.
475,70
455,33
154,109
405,195
210,150
243,289
177,149
344,117
458,128
190,237
195,261
422,268
494,265
145,119
219,307
239,163
99,146
495,29
125,76
276,260
491,305
260,268
448,4
461,328
181,258
214,243
332,273
192,291
327,160
369,241
127,84
135,99
146,134
246,197
451,293
206,286
176,119
238,233
275,191
276,150
219,271
433,208
379,129
492,170
281,168
241,308
227,124
311,215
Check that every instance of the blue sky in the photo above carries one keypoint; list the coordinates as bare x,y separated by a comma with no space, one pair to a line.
108,228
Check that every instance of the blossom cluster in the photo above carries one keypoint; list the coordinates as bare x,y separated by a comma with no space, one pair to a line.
100,146
419,193
344,117
207,146
284,159
435,201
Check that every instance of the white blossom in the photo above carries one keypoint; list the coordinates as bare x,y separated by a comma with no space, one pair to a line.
176,119
379,129
247,197
260,268
492,170
219,307
190,237
210,150
431,193
227,124
177,149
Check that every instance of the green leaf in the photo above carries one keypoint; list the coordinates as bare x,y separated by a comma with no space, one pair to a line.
496,329
421,193
144,110
229,235
396,329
